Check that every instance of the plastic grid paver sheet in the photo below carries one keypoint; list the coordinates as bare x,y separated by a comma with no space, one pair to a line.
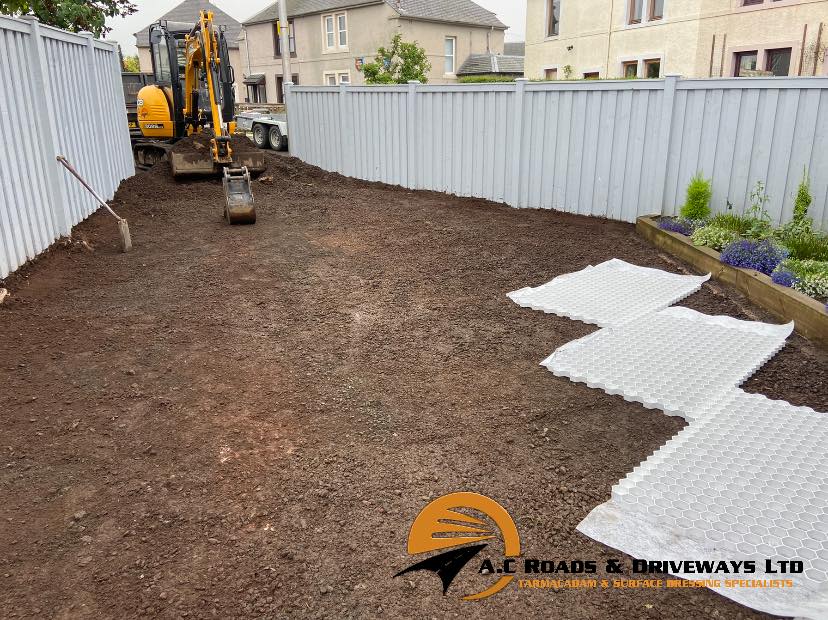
677,360
611,293
746,481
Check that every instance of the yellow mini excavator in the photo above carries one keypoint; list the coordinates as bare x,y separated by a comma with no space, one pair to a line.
193,95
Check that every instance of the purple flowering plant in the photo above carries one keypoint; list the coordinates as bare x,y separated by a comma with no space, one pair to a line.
762,256
676,225
783,277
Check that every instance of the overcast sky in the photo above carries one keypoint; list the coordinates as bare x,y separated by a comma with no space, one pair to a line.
511,12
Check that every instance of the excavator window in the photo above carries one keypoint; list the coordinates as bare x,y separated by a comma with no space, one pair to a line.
160,57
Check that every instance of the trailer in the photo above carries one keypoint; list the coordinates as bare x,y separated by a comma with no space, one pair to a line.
134,82
268,130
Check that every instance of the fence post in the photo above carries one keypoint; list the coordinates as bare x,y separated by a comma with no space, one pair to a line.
48,122
668,104
513,196
413,152
288,89
346,142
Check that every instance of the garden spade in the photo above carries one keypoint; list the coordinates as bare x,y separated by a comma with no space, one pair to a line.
123,227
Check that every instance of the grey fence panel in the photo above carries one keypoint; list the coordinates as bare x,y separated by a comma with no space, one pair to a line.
43,113
616,149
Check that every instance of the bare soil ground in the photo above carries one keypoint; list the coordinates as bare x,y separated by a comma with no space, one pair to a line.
243,422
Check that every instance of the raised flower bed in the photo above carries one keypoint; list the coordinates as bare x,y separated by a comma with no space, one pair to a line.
809,314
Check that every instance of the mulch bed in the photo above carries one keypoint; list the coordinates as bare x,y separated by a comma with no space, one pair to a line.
243,422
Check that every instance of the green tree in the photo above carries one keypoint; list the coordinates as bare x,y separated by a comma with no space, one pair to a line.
398,64
74,15
132,64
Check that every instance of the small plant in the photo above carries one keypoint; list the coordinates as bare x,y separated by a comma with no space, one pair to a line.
808,276
800,225
803,198
699,193
568,72
676,225
739,224
808,246
713,237
762,256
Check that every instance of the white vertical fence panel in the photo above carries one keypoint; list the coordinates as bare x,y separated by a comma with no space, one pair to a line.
60,94
616,149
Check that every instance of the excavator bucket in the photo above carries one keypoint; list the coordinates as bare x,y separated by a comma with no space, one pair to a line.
239,196
195,163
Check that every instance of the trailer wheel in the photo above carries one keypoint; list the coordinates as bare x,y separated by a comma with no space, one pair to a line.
277,140
260,136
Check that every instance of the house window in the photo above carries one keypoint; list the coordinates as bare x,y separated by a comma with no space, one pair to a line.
550,74
553,18
330,37
278,41
751,2
778,61
630,70
745,61
652,69
335,26
280,87
636,11
451,54
335,78
591,75
342,26
257,93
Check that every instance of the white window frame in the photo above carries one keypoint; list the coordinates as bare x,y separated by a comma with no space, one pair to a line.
453,72
337,76
340,31
336,32
640,59
645,15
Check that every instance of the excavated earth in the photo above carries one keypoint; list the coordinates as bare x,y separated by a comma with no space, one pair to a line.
243,422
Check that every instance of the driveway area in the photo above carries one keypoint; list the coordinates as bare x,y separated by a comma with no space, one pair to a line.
243,422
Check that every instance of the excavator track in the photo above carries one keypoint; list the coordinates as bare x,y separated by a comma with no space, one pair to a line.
239,208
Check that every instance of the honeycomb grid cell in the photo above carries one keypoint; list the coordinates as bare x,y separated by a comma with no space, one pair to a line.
611,293
712,510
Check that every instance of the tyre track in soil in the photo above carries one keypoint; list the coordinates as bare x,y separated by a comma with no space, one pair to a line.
242,422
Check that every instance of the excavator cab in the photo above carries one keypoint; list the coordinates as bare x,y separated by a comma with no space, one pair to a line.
193,96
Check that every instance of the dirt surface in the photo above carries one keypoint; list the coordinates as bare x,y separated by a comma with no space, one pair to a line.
243,422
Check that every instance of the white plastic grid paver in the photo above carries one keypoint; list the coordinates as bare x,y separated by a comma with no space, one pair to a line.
747,481
677,360
611,293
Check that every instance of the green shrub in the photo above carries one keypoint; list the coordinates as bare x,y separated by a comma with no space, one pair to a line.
713,237
803,198
739,224
699,193
801,225
807,246
484,79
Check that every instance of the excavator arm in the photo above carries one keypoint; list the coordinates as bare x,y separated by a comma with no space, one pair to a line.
206,53
207,63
